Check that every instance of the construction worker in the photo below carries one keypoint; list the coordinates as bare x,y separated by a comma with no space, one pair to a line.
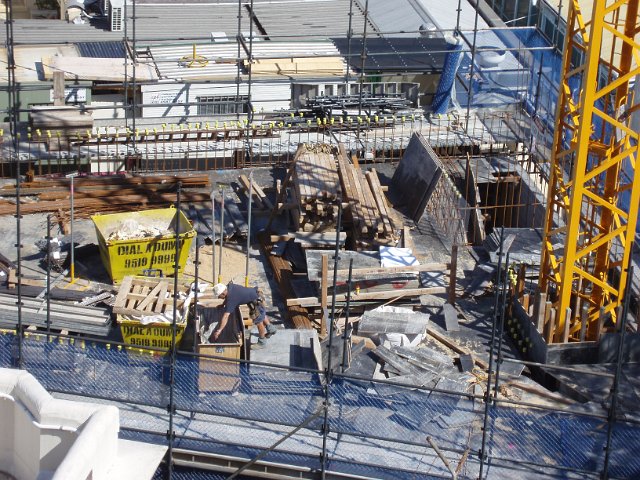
236,295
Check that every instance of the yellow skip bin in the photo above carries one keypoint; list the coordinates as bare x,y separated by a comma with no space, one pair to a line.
155,335
134,242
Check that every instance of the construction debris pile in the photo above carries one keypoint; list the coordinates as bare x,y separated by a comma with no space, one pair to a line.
130,229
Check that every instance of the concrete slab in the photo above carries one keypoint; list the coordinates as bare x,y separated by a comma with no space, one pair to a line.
296,348
525,248
137,460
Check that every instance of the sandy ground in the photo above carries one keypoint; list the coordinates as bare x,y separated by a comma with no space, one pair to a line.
233,265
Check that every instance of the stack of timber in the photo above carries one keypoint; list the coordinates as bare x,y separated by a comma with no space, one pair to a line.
73,318
102,194
371,216
316,188
80,291
312,240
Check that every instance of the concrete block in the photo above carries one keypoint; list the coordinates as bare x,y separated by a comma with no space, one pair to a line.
450,318
466,363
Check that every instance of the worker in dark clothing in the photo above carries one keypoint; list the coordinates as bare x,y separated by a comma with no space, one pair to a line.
236,295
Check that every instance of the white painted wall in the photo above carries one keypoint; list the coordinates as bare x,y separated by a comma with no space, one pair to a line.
266,96
107,100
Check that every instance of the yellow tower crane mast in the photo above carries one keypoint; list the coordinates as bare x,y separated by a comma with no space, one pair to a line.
589,229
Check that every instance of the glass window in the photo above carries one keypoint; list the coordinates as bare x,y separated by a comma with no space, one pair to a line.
221,105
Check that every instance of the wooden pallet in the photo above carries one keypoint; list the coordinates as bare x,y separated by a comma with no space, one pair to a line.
142,296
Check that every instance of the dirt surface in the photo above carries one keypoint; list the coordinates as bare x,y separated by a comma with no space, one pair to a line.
233,265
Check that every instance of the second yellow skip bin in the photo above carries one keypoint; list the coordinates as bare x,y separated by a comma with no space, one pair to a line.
134,243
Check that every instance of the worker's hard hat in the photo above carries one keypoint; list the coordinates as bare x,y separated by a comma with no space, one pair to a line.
219,289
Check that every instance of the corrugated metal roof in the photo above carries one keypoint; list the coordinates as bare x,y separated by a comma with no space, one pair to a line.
101,49
221,57
319,18
405,16
56,31
171,21
445,14
220,61
399,54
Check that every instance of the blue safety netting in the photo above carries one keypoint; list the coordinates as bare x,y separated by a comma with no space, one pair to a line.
375,429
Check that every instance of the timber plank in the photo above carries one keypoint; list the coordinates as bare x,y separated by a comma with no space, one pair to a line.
150,297
376,189
355,297
124,289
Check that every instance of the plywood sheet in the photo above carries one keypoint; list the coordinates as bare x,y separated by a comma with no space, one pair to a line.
105,69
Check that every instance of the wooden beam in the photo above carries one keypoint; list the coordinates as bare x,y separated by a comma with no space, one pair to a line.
244,181
58,88
550,322
306,238
161,295
539,314
283,274
256,193
524,301
153,294
363,296
380,200
343,274
584,320
567,325
407,241
520,282
368,343
123,291
13,280
600,324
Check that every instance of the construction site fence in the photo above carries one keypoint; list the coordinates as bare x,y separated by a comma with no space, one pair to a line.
333,422
223,145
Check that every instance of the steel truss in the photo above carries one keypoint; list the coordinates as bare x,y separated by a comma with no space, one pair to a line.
593,142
